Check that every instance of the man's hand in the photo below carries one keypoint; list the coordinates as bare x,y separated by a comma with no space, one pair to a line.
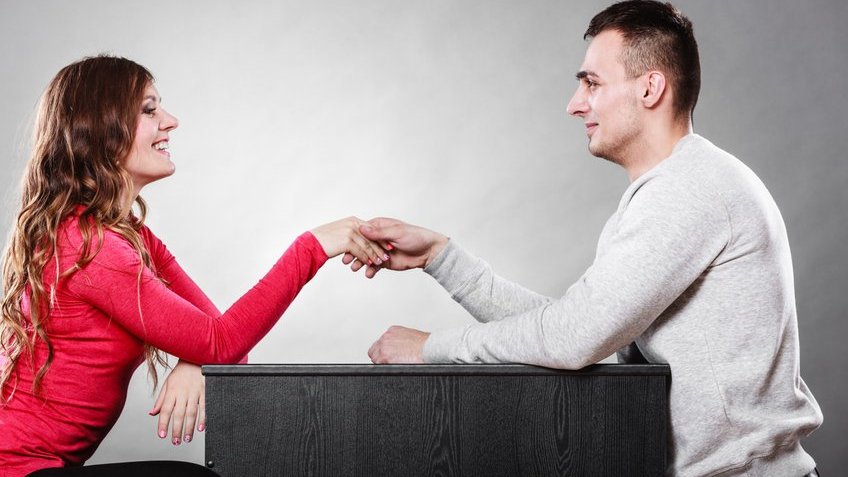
399,345
183,400
409,246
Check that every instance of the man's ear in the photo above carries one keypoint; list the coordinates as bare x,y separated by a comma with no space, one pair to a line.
654,87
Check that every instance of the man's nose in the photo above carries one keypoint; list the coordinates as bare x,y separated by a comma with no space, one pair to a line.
577,106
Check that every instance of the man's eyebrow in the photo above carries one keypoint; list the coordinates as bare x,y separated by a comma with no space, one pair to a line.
585,73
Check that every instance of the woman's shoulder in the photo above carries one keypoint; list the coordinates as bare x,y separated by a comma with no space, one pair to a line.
150,239
108,244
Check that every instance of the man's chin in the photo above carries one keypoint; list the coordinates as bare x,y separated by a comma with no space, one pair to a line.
601,152
596,149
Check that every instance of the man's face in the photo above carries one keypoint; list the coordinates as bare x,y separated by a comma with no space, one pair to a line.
607,99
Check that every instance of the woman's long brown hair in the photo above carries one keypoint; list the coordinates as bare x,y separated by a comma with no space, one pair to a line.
83,132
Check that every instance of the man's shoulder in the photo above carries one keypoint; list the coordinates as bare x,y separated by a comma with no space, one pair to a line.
698,158
698,164
697,175
717,178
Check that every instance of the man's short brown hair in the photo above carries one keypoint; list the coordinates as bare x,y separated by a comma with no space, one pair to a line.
656,36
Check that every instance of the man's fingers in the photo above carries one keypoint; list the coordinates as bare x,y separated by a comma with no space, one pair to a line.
379,351
372,351
400,345
356,265
383,230
371,271
381,222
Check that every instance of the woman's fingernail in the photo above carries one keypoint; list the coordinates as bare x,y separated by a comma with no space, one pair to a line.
187,438
370,262
161,434
386,257
379,262
389,246
201,427
176,441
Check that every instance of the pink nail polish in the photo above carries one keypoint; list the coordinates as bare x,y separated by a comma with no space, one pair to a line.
201,427
176,441
187,438
386,257
370,263
161,434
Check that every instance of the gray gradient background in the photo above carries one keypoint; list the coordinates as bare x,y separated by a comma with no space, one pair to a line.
445,113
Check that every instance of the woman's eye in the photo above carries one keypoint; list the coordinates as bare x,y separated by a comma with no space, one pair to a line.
148,111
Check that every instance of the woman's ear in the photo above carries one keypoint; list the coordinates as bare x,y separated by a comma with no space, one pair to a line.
654,88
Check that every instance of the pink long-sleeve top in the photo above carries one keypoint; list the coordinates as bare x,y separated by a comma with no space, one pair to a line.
102,317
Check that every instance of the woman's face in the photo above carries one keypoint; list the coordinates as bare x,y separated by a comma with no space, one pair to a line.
149,159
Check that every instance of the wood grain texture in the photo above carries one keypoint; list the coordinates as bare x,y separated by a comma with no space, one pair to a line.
437,425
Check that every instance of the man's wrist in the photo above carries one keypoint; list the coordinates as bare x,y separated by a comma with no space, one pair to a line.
439,244
442,345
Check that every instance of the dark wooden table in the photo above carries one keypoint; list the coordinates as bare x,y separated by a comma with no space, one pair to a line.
436,420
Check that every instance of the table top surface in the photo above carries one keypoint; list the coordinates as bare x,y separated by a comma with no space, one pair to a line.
430,369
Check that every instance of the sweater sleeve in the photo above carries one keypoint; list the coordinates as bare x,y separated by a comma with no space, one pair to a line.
666,237
473,284
116,283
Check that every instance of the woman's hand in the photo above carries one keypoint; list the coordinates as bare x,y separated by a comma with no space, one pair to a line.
343,236
183,400
411,246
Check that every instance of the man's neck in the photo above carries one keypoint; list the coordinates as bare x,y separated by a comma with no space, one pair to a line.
656,146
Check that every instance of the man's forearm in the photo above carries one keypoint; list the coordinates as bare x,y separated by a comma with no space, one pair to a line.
472,283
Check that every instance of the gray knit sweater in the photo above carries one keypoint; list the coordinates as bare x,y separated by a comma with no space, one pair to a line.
694,266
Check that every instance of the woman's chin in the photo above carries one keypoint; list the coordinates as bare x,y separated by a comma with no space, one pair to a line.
167,169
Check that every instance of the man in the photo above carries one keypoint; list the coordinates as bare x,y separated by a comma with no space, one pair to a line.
693,268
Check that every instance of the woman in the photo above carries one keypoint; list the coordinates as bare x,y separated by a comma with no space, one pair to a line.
90,292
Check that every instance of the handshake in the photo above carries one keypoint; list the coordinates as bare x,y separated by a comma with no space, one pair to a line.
384,243
366,243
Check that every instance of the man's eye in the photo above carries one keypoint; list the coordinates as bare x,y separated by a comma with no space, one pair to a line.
589,83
